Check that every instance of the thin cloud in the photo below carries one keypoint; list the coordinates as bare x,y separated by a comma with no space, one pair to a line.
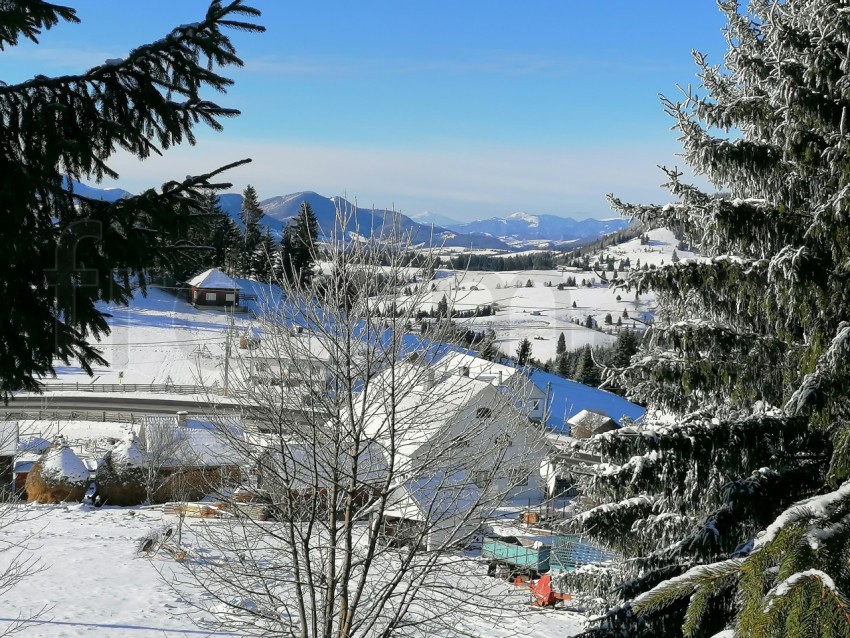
462,182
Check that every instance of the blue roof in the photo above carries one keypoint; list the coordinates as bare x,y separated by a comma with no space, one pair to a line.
567,398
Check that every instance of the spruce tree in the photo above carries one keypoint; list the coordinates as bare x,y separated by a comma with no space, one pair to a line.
64,253
730,504
298,245
250,214
561,346
523,352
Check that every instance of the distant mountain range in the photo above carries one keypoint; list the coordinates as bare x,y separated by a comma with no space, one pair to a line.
522,227
510,233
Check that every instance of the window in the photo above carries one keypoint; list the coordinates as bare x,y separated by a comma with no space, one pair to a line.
535,405
483,413
211,296
481,478
230,297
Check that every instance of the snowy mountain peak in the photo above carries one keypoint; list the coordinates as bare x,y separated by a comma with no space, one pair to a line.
533,221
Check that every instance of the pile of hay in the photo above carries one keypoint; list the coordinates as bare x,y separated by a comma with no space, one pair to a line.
121,474
58,476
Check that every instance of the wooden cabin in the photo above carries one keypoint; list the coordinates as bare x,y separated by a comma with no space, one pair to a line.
214,288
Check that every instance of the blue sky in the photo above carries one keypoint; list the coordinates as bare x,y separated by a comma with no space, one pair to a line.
468,109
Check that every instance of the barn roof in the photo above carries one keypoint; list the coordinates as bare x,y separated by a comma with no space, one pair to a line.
591,419
213,279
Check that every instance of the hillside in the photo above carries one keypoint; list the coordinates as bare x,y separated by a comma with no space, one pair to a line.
523,227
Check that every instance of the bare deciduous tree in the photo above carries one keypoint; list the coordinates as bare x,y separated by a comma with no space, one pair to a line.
377,461
17,558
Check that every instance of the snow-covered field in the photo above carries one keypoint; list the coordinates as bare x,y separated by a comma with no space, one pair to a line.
541,312
161,339
94,584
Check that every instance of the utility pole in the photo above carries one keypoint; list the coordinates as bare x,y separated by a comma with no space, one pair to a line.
230,329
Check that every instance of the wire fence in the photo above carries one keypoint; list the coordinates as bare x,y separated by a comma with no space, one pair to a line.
74,415
152,388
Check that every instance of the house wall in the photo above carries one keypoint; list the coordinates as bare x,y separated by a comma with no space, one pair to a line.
523,454
214,297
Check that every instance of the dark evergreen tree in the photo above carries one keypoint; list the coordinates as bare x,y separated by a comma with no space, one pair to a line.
523,352
562,366
624,348
586,371
561,346
64,253
211,237
298,246
252,234
732,510
265,257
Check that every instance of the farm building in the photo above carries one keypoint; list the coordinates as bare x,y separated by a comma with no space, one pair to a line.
213,288
290,359
587,423
445,418
195,450
529,398
297,477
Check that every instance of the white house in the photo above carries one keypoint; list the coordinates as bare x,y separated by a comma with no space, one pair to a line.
528,398
292,359
436,418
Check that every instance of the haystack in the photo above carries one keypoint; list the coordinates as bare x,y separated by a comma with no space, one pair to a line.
58,476
121,474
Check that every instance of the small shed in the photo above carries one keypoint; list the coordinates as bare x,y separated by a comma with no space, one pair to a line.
587,423
213,288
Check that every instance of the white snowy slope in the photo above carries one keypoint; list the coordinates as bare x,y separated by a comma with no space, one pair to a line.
96,585
541,312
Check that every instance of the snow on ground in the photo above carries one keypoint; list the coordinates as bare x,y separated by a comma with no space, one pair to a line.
161,339
95,583
541,312
91,578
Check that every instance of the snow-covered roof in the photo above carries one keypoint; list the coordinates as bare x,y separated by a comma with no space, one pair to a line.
214,279
304,466
198,443
8,438
589,418
484,370
569,398
424,409
435,498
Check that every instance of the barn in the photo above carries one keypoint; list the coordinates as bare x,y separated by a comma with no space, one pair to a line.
213,288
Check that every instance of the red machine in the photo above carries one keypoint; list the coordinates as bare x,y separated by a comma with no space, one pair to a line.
543,594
